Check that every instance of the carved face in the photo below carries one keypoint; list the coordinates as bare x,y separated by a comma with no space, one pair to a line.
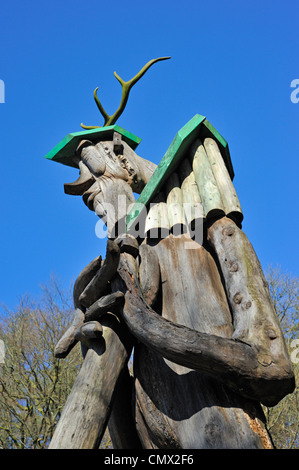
109,173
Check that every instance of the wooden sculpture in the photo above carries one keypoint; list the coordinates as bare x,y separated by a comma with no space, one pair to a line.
195,310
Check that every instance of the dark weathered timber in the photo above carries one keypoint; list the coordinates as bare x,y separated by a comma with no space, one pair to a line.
87,410
233,363
68,340
121,424
89,331
178,407
98,284
107,303
149,274
84,278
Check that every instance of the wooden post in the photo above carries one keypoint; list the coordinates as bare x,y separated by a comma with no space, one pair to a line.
87,410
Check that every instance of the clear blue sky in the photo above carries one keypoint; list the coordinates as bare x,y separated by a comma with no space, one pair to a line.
232,61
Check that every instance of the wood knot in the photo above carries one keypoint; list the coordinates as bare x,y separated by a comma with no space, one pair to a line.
233,267
246,305
237,298
228,231
271,333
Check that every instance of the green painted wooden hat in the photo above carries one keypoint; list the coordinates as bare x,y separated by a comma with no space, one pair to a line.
65,150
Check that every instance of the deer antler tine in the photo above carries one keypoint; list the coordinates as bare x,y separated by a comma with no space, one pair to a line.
100,107
126,87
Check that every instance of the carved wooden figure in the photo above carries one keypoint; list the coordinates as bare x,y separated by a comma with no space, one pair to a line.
182,288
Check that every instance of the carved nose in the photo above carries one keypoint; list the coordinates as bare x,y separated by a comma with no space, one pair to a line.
85,180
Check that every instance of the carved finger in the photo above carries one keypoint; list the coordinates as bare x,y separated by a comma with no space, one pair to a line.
84,279
88,332
68,341
108,303
98,284
128,244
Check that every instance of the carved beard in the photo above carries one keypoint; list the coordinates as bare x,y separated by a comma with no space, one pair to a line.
110,198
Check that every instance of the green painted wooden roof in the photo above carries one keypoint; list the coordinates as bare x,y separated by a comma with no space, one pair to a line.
64,151
197,127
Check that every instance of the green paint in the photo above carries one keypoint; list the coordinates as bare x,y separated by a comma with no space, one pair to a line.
126,87
64,151
197,127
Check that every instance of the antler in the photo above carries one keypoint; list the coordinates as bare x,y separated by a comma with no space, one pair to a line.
126,87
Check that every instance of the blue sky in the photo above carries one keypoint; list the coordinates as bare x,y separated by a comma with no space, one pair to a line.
232,61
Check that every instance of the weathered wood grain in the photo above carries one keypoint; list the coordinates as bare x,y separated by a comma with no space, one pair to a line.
174,203
193,209
97,286
87,410
107,303
205,179
156,221
149,274
254,317
232,362
231,203
68,339
122,422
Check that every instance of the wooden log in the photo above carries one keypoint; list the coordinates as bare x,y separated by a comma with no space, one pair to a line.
254,317
97,286
174,203
208,189
87,409
192,204
156,221
229,196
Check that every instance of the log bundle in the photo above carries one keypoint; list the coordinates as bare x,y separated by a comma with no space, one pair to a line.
199,189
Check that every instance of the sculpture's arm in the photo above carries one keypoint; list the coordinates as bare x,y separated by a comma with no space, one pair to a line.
244,367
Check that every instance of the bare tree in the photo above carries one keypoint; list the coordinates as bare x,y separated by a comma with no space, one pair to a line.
34,384
283,419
